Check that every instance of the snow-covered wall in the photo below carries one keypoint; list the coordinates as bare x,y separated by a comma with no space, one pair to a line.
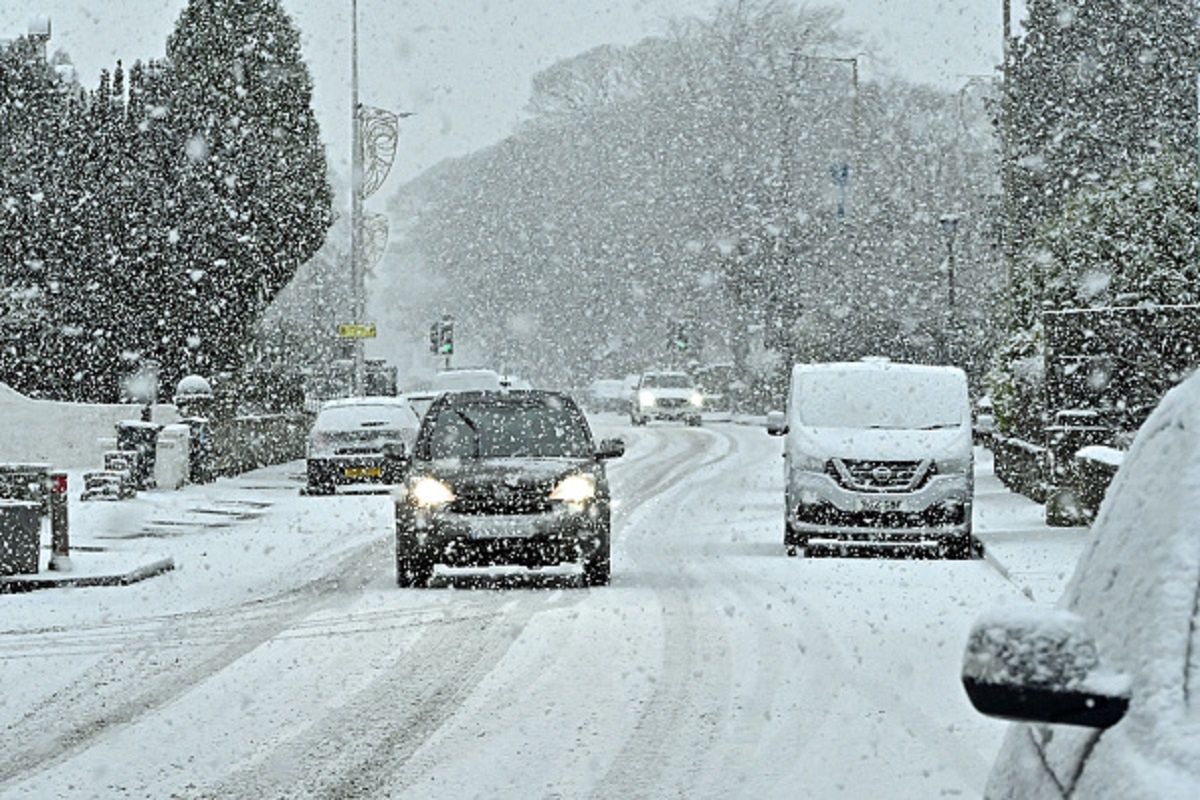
62,434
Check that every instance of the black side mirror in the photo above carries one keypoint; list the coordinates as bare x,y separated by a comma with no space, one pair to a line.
1040,665
777,423
396,451
610,448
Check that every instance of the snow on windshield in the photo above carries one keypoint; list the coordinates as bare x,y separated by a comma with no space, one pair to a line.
881,399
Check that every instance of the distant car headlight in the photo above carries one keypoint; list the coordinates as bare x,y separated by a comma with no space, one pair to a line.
646,398
575,490
697,399
431,493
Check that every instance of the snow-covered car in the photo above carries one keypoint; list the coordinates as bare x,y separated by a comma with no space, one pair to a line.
509,478
466,380
878,456
1105,687
608,394
347,441
666,396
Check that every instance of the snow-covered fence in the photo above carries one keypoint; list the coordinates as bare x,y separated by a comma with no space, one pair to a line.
1095,468
1021,466
247,442
62,434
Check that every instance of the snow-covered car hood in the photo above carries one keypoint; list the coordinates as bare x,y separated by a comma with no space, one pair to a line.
882,444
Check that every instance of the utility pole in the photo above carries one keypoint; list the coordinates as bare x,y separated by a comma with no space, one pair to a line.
357,273
1006,151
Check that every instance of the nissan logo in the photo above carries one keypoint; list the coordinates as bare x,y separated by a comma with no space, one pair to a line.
882,474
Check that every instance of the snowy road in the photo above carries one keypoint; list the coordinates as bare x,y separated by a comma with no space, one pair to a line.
712,667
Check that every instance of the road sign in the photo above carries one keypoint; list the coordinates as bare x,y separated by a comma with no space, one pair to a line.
360,330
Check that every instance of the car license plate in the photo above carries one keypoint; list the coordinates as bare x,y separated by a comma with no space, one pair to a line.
881,505
363,472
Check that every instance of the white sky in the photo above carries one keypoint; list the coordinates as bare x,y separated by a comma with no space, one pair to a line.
464,65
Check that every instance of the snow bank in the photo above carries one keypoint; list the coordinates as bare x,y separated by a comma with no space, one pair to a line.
61,434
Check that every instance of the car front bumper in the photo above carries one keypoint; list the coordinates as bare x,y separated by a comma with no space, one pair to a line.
940,509
669,413
555,537
350,469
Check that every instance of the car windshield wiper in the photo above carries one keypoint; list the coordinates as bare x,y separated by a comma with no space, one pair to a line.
474,429
939,426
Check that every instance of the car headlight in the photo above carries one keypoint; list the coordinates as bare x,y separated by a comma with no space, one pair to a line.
431,493
646,398
697,399
803,462
575,489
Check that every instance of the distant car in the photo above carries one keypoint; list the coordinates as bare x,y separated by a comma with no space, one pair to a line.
878,456
466,380
1105,688
504,478
666,396
346,444
608,394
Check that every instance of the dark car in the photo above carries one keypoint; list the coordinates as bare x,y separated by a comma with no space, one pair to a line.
504,478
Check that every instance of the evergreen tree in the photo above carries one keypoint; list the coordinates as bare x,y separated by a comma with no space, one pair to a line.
253,197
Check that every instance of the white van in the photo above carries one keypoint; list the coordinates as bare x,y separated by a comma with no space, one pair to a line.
878,455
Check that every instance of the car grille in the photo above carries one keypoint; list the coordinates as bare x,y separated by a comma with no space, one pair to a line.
357,451
879,476
503,501
671,402
826,515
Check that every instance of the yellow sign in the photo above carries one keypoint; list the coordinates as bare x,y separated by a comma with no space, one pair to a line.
356,331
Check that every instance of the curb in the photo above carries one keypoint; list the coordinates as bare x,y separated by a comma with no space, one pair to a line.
16,584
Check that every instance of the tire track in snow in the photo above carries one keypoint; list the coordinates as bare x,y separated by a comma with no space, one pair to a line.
369,740
676,709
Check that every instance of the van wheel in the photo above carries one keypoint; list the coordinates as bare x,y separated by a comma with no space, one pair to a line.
413,571
792,551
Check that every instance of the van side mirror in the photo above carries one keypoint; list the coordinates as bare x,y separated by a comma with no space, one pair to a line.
777,423
609,449
1041,665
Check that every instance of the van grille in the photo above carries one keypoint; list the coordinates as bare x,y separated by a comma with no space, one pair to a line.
880,476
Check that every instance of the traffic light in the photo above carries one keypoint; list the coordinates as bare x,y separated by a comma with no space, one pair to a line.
446,340
435,337
679,337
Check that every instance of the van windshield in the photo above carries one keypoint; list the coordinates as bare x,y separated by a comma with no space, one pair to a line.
898,400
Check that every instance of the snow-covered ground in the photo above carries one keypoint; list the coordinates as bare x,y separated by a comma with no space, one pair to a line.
281,660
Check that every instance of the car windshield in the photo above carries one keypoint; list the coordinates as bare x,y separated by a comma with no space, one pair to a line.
666,381
881,399
520,429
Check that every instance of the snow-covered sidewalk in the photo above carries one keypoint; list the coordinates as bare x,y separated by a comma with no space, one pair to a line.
1037,558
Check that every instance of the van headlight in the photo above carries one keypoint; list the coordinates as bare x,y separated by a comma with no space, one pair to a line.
962,465
646,398
575,490
697,399
429,492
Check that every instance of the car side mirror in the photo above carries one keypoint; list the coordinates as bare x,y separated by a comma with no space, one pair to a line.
610,448
777,423
1041,665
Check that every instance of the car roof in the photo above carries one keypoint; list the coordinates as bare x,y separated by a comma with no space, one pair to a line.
872,365
349,402
666,372
512,395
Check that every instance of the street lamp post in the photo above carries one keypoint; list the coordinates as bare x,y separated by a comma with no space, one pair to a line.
357,273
